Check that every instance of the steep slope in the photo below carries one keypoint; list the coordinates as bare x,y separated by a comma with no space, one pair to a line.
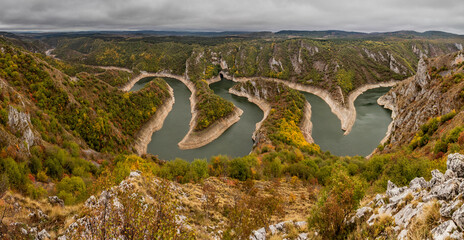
434,91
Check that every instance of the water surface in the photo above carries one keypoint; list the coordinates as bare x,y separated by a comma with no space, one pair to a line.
235,141
369,129
370,126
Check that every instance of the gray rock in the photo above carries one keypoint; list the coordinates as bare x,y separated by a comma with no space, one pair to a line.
24,231
91,202
135,174
54,200
20,122
393,190
418,184
379,200
302,236
449,175
404,216
458,217
461,188
259,234
42,235
437,178
444,230
361,213
401,196
63,237
447,210
422,78
455,163
403,235
456,235
446,191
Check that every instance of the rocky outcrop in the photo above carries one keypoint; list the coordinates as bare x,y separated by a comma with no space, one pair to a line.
407,203
20,124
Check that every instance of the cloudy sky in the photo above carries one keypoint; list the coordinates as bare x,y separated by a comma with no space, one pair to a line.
240,15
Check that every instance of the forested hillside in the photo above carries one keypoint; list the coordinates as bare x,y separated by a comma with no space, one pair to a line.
66,132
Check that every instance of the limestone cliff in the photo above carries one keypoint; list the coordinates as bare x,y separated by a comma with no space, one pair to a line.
432,92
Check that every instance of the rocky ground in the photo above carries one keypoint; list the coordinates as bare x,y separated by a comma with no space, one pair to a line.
434,207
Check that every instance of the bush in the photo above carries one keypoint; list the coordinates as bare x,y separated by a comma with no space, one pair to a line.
126,164
240,168
273,168
4,184
16,173
53,167
177,170
440,146
71,190
198,170
339,199
35,192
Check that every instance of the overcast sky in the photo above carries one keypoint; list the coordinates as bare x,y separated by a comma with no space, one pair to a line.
239,15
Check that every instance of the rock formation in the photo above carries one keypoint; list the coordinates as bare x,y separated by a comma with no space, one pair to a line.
407,203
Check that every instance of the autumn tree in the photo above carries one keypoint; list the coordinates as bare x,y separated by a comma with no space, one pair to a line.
337,201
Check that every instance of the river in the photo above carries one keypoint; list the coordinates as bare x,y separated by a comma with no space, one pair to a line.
370,127
235,141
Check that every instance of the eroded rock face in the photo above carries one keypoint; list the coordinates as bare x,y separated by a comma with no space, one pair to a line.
415,100
20,123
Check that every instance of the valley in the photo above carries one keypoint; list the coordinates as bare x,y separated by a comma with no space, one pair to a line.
235,136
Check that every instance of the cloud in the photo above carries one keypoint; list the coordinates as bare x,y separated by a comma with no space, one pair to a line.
220,15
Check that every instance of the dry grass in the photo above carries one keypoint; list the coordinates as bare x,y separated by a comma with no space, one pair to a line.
422,225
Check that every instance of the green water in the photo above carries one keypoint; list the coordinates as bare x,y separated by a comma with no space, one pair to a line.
235,141
368,130
370,127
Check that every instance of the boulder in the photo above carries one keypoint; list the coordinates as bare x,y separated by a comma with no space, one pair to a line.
461,188
450,175
403,235
404,216
259,234
455,163
446,191
447,210
361,213
379,200
458,217
393,190
135,174
302,236
444,230
418,184
437,178
42,235
401,196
